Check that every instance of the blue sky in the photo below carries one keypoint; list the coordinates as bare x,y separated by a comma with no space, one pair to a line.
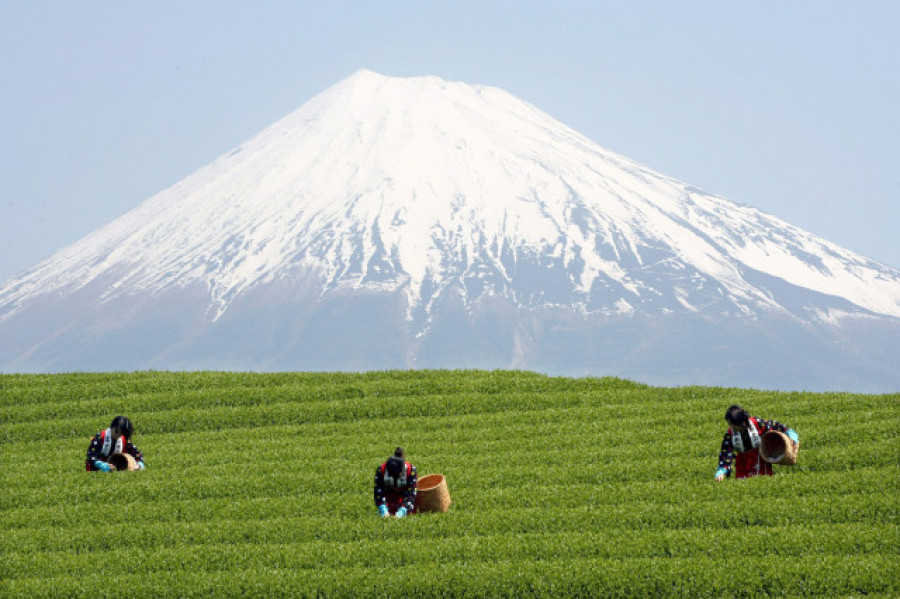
792,107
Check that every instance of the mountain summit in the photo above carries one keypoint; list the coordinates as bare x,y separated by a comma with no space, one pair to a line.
415,222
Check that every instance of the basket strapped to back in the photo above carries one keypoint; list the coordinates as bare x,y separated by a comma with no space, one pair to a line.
123,461
777,448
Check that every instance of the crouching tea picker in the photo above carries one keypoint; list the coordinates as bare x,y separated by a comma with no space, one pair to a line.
112,449
740,453
396,486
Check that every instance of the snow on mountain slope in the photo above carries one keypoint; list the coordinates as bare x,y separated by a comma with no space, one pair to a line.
423,184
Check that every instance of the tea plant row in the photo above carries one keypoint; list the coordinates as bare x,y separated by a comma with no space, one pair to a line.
260,484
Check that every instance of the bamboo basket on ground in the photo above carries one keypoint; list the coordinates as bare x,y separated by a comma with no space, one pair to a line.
777,448
433,494
123,461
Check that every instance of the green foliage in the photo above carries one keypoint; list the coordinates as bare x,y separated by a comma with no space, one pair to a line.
261,485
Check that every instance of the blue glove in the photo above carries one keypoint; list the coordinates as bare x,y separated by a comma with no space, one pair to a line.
382,509
401,512
140,465
721,471
793,435
102,466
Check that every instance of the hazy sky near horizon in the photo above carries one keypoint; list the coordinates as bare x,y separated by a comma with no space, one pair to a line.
791,107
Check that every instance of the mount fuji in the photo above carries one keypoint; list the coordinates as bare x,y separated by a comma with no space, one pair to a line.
420,223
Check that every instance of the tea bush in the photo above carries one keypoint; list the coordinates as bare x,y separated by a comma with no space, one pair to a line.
261,485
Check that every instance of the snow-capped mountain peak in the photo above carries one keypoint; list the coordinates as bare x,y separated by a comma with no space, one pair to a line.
420,182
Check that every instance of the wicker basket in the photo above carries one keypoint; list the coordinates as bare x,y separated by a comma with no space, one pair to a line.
777,448
433,494
123,461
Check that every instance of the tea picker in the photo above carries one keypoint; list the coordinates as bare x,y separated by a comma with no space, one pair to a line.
396,486
112,449
751,445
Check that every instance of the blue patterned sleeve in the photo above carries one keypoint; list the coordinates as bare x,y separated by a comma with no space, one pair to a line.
380,498
726,455
412,489
132,449
93,452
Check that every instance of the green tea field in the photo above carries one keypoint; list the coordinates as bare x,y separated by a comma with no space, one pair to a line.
261,485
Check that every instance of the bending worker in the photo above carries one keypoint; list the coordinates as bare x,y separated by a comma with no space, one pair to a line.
396,484
741,444
115,439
